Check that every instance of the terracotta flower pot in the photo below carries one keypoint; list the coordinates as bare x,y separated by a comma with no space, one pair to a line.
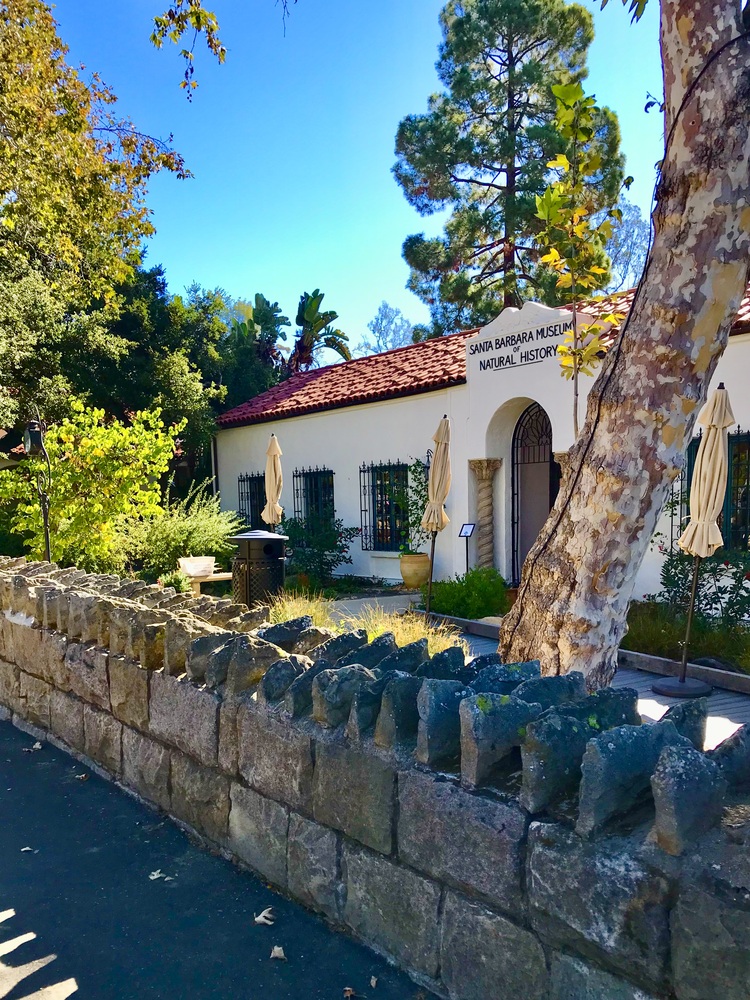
415,570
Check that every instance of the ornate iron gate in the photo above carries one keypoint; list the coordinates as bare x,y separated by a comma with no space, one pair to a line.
532,443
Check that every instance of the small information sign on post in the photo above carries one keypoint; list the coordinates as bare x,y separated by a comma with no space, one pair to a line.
467,530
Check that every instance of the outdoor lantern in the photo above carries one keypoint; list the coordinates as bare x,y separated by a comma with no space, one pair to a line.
33,438
33,443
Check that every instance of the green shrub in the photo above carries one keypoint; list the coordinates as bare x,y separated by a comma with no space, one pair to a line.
319,546
195,526
177,579
655,627
721,620
412,501
723,593
477,594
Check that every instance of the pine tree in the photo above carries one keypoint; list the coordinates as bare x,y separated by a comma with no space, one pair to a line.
482,150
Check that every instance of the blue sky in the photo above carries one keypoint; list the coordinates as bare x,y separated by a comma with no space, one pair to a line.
291,140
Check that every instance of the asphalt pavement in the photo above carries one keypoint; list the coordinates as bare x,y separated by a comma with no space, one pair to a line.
131,909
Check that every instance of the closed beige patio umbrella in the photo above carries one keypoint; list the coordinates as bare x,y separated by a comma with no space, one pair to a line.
702,536
272,512
434,518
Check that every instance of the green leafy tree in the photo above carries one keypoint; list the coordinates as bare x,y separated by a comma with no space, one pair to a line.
103,471
251,357
169,358
482,148
37,336
73,175
73,181
315,331
574,235
190,18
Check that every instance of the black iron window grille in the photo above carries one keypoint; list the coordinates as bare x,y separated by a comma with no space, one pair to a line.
313,496
251,493
737,500
734,519
384,521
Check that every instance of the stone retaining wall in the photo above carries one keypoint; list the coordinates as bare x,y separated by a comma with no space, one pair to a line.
497,834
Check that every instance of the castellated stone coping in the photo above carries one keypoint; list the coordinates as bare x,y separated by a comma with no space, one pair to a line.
495,832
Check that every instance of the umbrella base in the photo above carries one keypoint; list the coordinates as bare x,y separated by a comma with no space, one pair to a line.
672,687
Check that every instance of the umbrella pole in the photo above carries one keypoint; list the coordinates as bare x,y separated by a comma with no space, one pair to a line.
691,608
429,583
681,687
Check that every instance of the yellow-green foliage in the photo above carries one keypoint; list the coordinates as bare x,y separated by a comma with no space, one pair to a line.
374,620
102,471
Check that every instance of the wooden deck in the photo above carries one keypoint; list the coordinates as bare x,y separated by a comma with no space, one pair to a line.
727,711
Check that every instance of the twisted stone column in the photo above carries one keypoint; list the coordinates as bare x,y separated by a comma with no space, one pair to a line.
484,470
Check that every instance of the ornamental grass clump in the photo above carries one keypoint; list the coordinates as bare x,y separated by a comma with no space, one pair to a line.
375,620
406,628
290,604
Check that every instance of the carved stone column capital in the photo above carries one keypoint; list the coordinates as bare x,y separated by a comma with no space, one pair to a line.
484,470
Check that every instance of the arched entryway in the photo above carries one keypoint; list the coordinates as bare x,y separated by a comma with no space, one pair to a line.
535,481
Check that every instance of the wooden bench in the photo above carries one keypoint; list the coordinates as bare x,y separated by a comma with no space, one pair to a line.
196,581
200,569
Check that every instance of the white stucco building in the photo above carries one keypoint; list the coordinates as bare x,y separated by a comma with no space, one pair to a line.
348,430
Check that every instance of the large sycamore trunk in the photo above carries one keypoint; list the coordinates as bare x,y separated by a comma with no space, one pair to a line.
578,578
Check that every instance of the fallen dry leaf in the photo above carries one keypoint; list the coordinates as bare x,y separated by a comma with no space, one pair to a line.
23,849
278,952
157,874
266,917
81,777
373,982
37,746
349,992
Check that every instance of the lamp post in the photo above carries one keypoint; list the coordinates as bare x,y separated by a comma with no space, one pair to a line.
33,442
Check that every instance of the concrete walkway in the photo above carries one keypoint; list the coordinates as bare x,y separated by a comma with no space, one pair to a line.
104,899
727,711
398,602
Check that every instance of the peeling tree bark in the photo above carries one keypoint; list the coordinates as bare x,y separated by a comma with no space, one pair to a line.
578,578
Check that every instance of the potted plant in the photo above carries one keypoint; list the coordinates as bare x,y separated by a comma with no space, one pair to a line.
412,499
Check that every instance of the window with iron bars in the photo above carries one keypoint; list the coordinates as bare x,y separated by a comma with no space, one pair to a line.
251,493
383,520
734,519
313,496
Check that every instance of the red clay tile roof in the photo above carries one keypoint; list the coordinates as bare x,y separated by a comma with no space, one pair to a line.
405,371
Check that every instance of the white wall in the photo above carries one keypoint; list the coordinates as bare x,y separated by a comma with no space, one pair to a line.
342,440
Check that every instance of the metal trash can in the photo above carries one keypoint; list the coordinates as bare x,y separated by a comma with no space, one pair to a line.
258,567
